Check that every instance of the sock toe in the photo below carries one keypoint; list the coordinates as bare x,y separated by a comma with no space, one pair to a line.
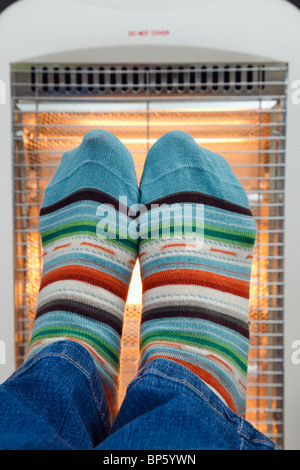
176,163
104,163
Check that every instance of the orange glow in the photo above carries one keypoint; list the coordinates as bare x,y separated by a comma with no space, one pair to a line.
135,288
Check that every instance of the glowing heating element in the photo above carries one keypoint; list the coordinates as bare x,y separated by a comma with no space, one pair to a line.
249,134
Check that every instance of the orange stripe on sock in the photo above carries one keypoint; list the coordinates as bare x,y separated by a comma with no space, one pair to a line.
219,360
177,244
223,251
198,278
143,254
249,257
61,246
33,346
165,343
112,408
94,264
90,276
112,252
245,388
205,376
44,254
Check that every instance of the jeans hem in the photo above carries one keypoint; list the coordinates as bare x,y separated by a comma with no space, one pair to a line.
78,357
170,370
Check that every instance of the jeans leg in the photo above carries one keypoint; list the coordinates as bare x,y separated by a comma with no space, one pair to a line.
54,401
168,407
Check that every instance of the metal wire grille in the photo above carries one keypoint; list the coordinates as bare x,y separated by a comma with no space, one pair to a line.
235,110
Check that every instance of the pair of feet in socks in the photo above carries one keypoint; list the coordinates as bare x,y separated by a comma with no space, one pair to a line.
195,282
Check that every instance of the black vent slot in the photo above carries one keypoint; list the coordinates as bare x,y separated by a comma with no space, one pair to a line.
45,79
203,78
90,79
158,80
181,79
101,76
135,79
215,78
78,79
250,78
124,79
227,78
32,79
192,81
113,80
68,80
56,80
238,78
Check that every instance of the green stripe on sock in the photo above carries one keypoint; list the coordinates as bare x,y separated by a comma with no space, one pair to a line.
101,346
198,341
90,230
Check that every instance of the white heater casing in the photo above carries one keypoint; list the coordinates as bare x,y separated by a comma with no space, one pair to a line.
158,31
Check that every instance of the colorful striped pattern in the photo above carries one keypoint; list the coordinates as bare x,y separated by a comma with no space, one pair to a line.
85,279
195,301
196,286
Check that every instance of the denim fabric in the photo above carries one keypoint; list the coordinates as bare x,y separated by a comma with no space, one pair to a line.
56,401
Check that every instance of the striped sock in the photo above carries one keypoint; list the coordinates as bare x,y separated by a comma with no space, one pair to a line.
85,276
196,277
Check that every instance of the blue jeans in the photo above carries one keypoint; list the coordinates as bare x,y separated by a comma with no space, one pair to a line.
56,401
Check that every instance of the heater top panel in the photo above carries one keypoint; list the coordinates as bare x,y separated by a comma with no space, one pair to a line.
127,31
